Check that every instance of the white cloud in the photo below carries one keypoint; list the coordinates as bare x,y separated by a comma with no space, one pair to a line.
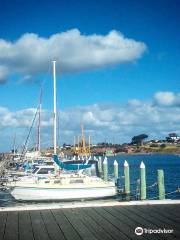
119,122
32,54
167,98
134,102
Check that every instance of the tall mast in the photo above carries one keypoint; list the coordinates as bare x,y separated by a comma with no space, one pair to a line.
89,143
58,126
39,123
83,138
78,145
74,142
14,144
55,111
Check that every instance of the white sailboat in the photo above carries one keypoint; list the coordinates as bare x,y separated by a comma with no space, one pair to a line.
63,185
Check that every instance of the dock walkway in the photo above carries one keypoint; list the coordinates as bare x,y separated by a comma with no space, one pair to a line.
91,223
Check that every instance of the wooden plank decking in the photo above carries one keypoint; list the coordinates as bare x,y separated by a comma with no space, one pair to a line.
92,223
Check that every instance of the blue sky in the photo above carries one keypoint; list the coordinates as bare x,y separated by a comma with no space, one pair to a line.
156,69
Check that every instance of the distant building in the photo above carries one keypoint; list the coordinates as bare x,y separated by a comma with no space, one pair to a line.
110,151
173,137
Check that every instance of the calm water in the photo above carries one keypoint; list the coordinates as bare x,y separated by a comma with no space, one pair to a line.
169,163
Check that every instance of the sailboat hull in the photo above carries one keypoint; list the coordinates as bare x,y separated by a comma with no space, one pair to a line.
40,194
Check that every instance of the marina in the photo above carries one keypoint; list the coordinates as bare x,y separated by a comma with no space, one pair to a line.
169,163
89,120
78,178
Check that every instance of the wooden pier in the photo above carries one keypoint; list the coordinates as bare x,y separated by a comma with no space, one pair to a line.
91,223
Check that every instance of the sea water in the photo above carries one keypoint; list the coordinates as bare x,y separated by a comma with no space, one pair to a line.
169,163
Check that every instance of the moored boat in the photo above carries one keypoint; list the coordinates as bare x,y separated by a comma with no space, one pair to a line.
67,186
69,183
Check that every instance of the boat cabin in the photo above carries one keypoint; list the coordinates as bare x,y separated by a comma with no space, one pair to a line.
43,170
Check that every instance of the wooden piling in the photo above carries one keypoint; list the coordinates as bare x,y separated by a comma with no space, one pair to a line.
143,181
116,169
127,180
161,187
105,169
100,167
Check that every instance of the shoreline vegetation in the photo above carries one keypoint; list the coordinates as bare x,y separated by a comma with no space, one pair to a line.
170,145
175,150
150,153
138,145
115,150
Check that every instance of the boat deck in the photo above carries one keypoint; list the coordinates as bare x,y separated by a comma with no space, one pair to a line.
91,223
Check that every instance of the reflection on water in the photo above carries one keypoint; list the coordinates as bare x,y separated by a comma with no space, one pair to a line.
6,199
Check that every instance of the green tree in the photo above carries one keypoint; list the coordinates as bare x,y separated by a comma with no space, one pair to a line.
139,139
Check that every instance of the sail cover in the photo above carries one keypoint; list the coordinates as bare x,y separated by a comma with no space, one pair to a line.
70,166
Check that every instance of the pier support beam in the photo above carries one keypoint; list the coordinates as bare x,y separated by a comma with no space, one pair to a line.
161,187
105,169
127,180
100,171
116,170
143,181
